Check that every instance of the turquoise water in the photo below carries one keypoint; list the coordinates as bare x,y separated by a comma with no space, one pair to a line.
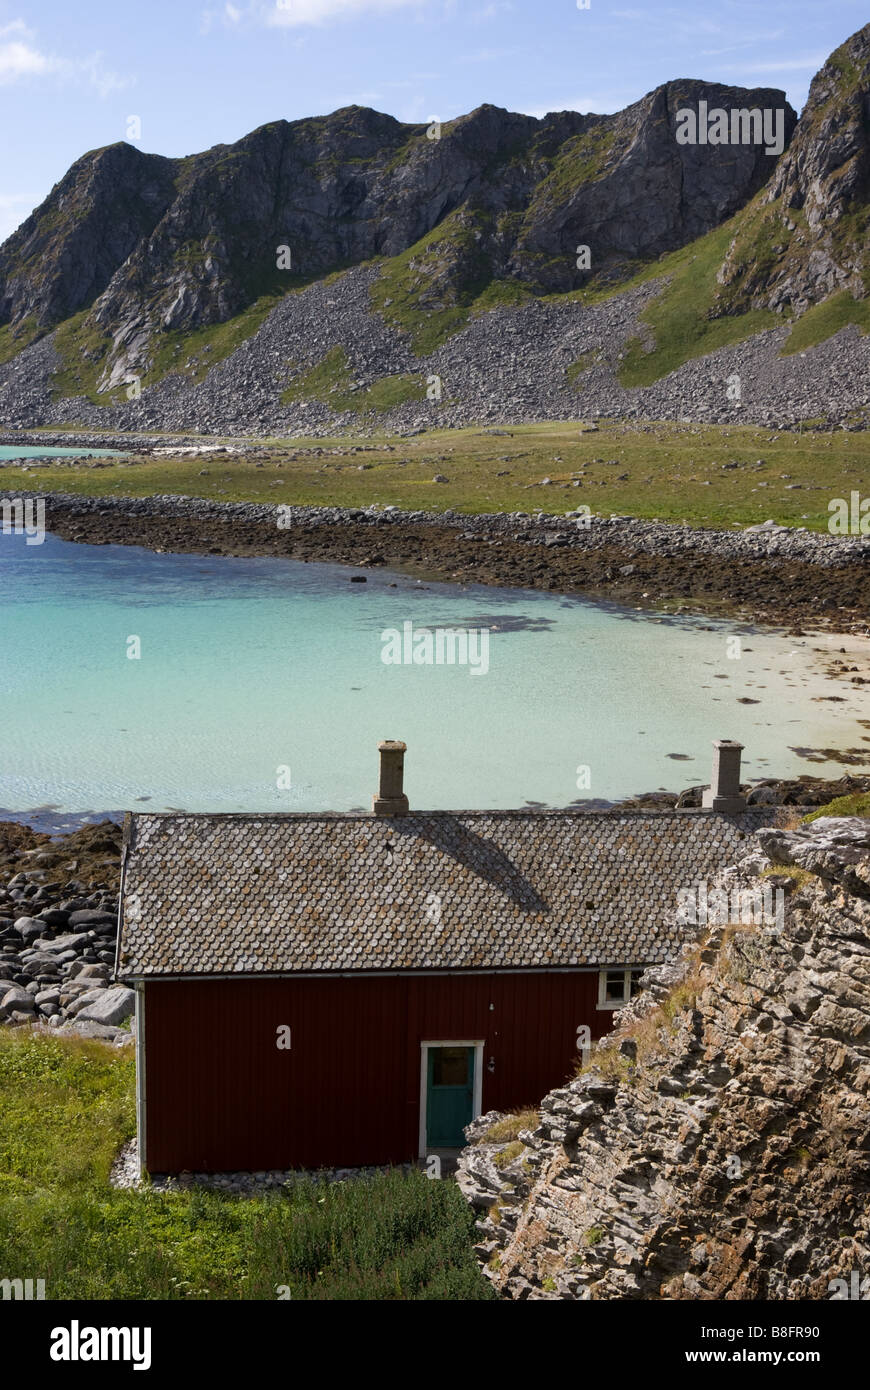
248,666
27,451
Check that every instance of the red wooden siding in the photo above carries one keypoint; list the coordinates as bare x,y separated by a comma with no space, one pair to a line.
221,1096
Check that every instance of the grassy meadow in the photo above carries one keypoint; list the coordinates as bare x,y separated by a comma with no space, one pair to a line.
66,1107
706,475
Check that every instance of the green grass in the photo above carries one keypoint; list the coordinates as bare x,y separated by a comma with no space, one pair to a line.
428,290
823,320
389,391
675,471
858,804
66,1106
83,349
581,160
15,339
500,294
679,317
575,370
331,379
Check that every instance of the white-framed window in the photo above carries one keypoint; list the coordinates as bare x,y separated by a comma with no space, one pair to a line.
617,985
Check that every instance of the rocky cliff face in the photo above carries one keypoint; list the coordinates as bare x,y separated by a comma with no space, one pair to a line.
152,245
807,236
68,250
716,1146
455,257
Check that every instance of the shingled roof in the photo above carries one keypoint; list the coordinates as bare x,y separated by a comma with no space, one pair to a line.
259,895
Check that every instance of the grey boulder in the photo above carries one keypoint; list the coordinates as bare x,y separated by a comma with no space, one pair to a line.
91,918
16,1000
112,1006
29,928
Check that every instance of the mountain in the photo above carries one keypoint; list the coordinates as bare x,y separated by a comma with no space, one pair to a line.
806,238
149,245
538,268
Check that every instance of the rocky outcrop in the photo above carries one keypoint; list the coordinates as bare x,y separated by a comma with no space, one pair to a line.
68,250
807,236
58,932
716,1145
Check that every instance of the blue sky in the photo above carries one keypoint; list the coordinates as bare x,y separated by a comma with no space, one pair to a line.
198,74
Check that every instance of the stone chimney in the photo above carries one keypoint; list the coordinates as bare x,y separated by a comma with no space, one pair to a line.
391,799
723,794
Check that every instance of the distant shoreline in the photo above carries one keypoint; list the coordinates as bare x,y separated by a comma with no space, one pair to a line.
779,577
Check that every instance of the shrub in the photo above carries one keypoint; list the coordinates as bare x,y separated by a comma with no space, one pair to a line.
66,1106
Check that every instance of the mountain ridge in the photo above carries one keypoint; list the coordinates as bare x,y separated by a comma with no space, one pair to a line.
195,240
419,241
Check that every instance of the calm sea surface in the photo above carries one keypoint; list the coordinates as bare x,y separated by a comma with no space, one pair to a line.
251,667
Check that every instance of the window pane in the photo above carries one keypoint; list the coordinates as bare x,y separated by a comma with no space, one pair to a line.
614,985
450,1066
635,982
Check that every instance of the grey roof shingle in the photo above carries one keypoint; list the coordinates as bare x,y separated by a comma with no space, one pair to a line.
225,894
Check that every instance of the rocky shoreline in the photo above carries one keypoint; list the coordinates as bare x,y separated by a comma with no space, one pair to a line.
58,930
768,574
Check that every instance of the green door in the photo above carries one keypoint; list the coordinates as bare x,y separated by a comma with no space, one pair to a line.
449,1096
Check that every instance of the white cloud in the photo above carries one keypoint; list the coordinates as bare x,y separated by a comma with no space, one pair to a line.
18,57
298,13
99,76
21,58
232,14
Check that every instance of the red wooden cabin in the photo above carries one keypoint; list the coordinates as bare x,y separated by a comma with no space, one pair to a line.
331,990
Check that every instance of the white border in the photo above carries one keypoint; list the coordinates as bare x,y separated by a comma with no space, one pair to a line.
477,1095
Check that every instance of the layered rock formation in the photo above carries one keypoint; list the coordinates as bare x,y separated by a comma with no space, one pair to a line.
164,244
149,293
716,1145
807,238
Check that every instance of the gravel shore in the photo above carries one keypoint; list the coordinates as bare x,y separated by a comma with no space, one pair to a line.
768,574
